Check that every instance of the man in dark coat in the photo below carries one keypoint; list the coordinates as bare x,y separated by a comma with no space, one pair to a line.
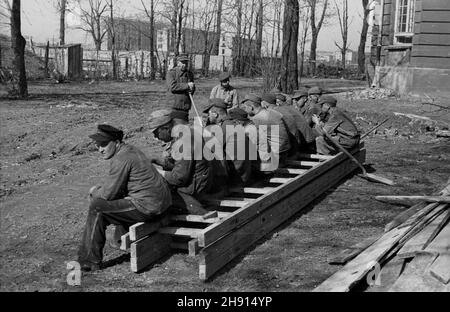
134,191
180,82
337,124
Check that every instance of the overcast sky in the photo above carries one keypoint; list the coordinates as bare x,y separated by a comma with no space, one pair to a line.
41,21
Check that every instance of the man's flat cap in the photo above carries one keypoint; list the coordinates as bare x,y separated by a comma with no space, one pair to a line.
252,98
106,133
224,76
182,58
330,100
159,118
269,98
238,114
215,102
299,94
281,97
315,91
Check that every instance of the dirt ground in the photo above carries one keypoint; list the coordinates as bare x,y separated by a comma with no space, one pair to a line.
48,165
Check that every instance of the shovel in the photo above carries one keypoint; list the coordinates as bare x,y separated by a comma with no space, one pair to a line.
365,175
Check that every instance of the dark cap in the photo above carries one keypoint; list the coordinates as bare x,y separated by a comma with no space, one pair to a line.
269,98
182,58
238,114
330,100
315,90
252,98
106,133
179,114
281,97
215,102
299,94
159,118
224,76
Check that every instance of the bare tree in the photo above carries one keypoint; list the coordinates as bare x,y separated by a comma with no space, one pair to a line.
218,27
343,24
93,17
62,7
259,29
151,16
112,34
315,29
362,41
305,18
237,42
18,45
289,73
206,19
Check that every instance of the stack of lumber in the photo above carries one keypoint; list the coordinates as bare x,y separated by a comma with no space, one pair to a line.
412,255
238,221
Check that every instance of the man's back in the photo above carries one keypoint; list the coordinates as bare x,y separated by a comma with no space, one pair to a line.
296,124
177,83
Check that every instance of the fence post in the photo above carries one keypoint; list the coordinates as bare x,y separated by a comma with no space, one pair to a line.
47,48
126,67
142,65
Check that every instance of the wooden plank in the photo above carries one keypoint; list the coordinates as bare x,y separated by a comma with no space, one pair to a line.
291,171
180,231
193,218
441,244
415,277
315,156
227,202
280,180
430,51
355,270
216,255
438,229
428,199
435,5
125,242
419,215
416,244
431,62
302,163
242,215
148,250
252,190
193,247
404,216
142,229
434,28
440,269
349,253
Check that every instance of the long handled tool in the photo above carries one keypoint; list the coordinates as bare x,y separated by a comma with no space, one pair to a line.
374,128
195,110
365,175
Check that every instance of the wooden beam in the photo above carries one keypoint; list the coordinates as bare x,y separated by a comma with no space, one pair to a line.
252,190
242,215
413,246
441,244
193,218
315,156
217,254
302,163
440,269
428,199
193,247
291,171
227,202
125,242
280,180
180,231
348,254
148,250
142,229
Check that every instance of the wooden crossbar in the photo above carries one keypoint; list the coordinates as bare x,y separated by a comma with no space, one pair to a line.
280,180
291,170
303,163
180,231
252,190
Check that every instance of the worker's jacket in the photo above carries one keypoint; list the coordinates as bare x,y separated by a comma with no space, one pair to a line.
177,83
191,176
339,124
229,95
132,176
296,124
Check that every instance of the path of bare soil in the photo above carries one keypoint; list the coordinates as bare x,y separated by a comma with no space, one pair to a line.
48,165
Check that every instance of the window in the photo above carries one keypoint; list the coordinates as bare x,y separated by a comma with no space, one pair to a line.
404,22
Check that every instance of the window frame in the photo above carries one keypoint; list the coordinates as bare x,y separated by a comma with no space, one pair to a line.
409,23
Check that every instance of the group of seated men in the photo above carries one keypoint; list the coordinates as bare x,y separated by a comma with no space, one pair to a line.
141,188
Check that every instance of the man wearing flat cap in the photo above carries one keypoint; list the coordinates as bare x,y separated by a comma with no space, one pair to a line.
337,124
274,149
180,82
225,91
299,100
133,192
312,107
190,179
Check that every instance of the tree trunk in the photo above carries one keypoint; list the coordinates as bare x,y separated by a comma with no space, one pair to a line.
152,40
259,35
180,24
315,29
218,28
62,22
112,32
289,74
238,40
312,53
18,45
363,38
47,50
